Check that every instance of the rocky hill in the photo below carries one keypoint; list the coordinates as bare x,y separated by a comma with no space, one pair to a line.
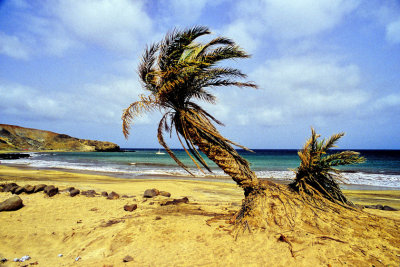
19,138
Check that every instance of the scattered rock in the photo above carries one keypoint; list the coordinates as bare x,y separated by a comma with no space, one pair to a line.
130,207
149,193
39,188
165,194
74,192
127,259
175,201
29,189
19,190
104,194
3,260
389,208
89,193
60,255
78,258
113,195
10,187
126,196
158,218
69,189
51,190
380,207
13,203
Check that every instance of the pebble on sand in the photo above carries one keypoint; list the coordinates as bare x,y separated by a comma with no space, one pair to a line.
127,259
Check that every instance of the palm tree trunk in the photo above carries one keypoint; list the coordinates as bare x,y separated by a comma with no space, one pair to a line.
238,170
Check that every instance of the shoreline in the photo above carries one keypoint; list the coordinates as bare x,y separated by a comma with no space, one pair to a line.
216,178
359,194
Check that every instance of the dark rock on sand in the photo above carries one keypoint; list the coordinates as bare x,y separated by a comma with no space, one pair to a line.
19,190
113,195
175,201
130,207
69,189
165,194
104,194
51,190
127,259
149,193
13,203
89,193
74,192
380,207
10,187
389,208
29,189
39,188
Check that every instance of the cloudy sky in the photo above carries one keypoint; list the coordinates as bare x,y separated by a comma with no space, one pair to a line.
70,67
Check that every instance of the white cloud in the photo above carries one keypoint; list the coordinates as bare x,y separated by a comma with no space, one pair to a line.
243,34
47,36
393,32
90,103
26,102
286,20
188,10
12,46
311,87
387,102
115,24
295,19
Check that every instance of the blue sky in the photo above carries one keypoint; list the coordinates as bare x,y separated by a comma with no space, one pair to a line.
70,67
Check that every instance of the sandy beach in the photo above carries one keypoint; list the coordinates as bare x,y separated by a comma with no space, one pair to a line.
99,232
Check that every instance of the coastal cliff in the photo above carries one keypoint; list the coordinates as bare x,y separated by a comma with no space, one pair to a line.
19,138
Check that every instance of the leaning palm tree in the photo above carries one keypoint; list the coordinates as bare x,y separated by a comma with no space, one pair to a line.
317,174
176,72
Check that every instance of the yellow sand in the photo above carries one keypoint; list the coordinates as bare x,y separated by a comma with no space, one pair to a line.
102,233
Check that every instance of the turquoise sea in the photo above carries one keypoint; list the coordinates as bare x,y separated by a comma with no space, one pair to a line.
380,171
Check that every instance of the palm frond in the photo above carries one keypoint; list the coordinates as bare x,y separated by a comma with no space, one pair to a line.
160,137
222,53
330,143
342,158
146,67
134,110
175,43
316,173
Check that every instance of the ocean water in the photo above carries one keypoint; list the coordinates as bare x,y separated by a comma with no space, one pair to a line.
381,170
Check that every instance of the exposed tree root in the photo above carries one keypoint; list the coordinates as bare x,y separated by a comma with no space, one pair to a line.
285,215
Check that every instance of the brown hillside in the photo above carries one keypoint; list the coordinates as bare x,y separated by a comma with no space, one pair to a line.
19,138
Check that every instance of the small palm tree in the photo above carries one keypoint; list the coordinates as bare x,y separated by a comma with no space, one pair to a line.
176,71
317,173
